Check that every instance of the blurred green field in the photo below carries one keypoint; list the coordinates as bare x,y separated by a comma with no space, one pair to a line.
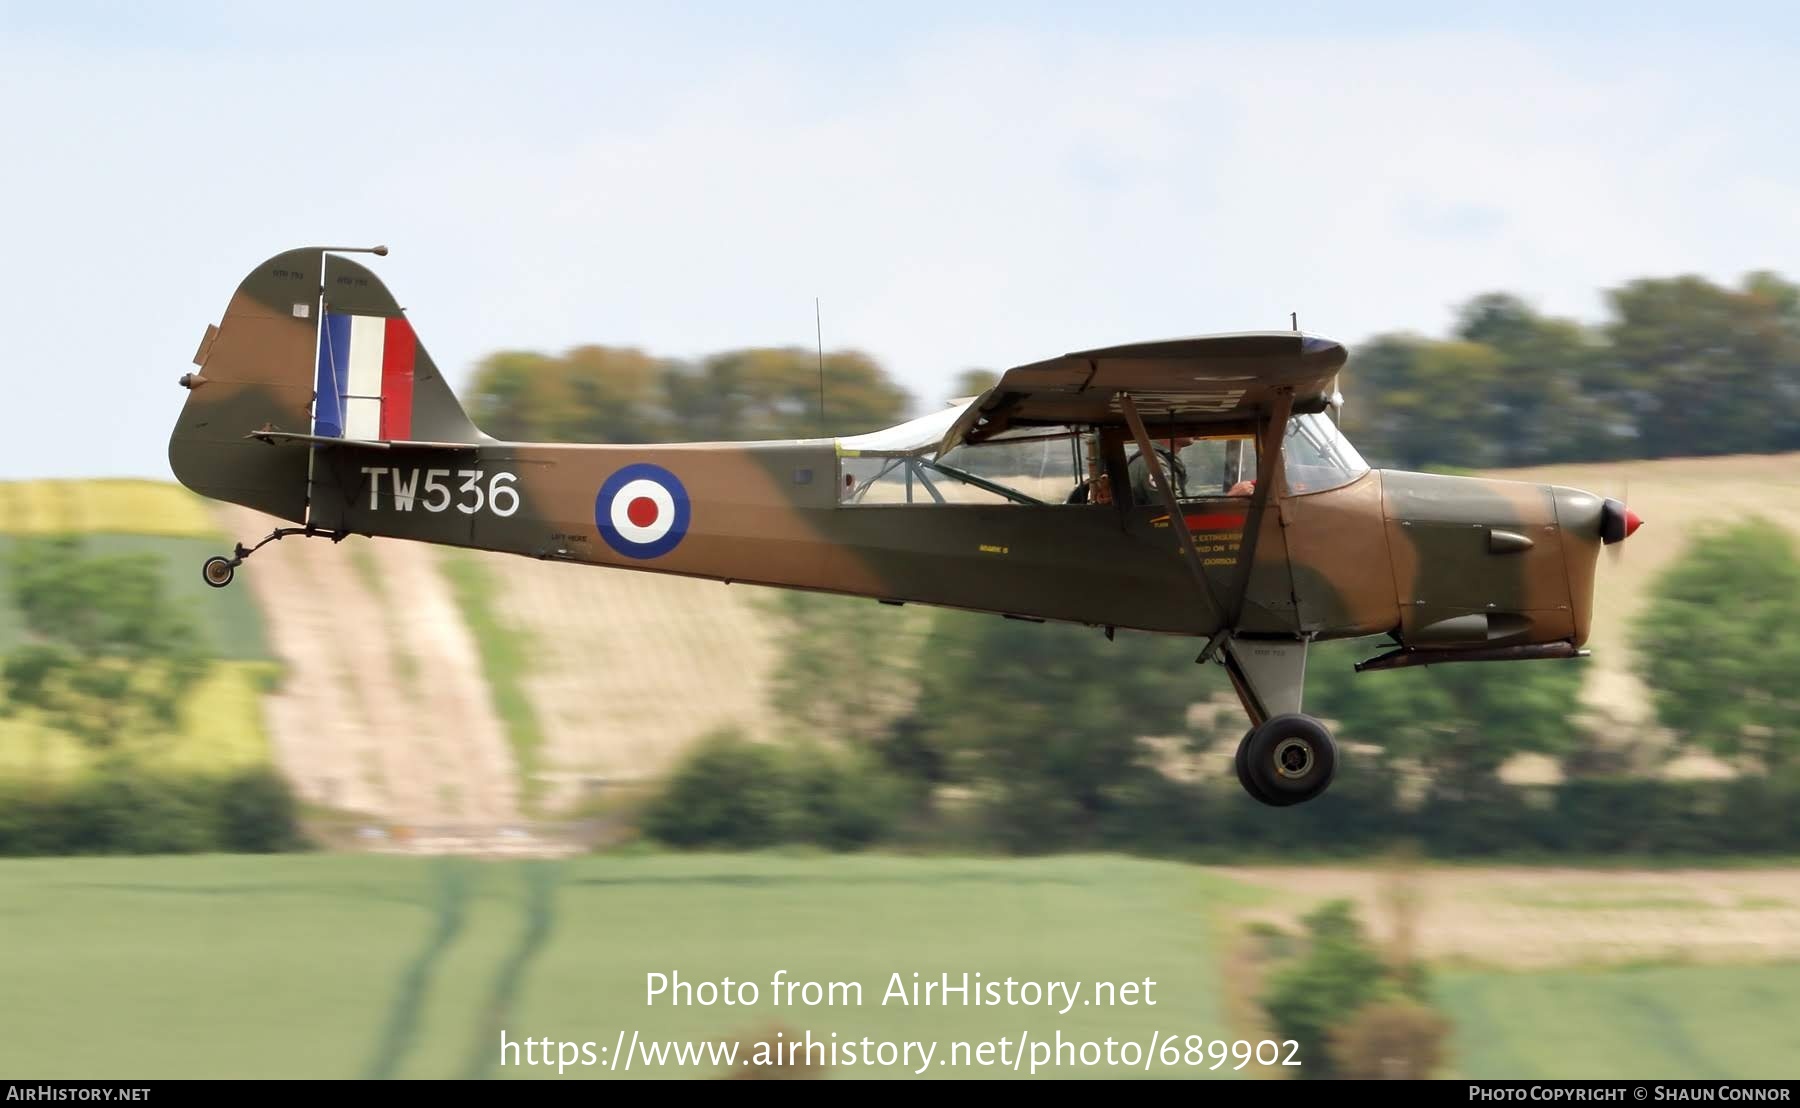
221,731
222,726
117,506
379,966
346,966
1669,1022
229,619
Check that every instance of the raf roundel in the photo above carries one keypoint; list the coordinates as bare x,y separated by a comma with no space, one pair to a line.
642,511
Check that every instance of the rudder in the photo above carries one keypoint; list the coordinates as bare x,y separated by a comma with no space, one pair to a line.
311,344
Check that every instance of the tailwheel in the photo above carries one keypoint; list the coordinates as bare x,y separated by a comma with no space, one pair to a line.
1289,759
219,571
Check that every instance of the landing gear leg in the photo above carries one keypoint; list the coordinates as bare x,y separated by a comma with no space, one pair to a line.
219,570
1287,757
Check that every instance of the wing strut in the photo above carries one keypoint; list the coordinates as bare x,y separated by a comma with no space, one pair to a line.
1268,472
1177,522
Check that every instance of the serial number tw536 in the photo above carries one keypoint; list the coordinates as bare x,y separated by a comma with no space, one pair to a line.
438,490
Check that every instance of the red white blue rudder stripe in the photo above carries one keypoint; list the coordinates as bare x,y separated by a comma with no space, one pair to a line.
365,384
643,511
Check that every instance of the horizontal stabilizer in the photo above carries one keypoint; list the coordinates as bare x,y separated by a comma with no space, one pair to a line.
277,438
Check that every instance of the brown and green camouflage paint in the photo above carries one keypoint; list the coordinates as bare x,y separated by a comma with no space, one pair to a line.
1410,554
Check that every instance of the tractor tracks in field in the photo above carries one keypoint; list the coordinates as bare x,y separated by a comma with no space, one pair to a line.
541,879
453,889
450,877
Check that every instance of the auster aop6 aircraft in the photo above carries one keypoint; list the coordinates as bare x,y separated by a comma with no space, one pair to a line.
1193,487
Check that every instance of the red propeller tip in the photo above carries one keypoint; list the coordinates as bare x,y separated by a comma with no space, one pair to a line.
1632,522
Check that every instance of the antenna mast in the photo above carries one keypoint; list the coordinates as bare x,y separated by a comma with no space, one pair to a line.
819,334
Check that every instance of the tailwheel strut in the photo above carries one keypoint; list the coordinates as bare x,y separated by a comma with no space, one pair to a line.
218,570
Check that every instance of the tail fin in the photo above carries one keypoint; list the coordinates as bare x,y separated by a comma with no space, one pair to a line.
312,347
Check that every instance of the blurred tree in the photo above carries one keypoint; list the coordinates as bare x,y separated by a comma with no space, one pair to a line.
1048,718
106,654
974,382
619,394
1323,989
1417,401
849,666
587,394
729,792
773,393
1458,723
1547,400
1684,367
725,792
1396,1040
1703,369
1720,645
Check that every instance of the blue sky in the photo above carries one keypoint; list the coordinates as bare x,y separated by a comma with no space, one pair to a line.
962,185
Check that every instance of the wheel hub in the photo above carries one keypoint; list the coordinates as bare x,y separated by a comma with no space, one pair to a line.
1293,758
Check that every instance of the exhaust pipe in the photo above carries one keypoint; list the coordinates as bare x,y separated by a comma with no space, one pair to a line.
1404,657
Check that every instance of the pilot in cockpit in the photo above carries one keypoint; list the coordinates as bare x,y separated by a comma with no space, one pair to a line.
1143,486
1169,451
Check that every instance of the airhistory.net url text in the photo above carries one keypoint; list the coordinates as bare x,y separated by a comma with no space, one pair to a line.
1023,1054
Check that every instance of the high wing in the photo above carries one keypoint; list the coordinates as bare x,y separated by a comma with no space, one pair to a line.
1254,380
1212,379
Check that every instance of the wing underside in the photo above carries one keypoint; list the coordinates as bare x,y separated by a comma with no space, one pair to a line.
1211,380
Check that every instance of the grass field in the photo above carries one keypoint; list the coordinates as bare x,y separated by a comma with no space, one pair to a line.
345,966
1516,918
365,965
1672,1022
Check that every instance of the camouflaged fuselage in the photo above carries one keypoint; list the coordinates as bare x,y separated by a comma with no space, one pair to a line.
1439,562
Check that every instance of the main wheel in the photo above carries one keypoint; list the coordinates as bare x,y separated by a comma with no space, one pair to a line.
218,571
1243,771
1290,758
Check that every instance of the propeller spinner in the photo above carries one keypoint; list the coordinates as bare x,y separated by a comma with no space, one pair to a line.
1617,522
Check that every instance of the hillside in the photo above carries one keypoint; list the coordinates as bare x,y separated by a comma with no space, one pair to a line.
221,728
428,676
434,689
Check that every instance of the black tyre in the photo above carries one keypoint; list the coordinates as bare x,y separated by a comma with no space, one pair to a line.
1243,774
1290,758
218,571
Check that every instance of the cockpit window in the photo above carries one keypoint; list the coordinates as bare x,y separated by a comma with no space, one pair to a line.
1061,465
1206,467
1039,466
1318,455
